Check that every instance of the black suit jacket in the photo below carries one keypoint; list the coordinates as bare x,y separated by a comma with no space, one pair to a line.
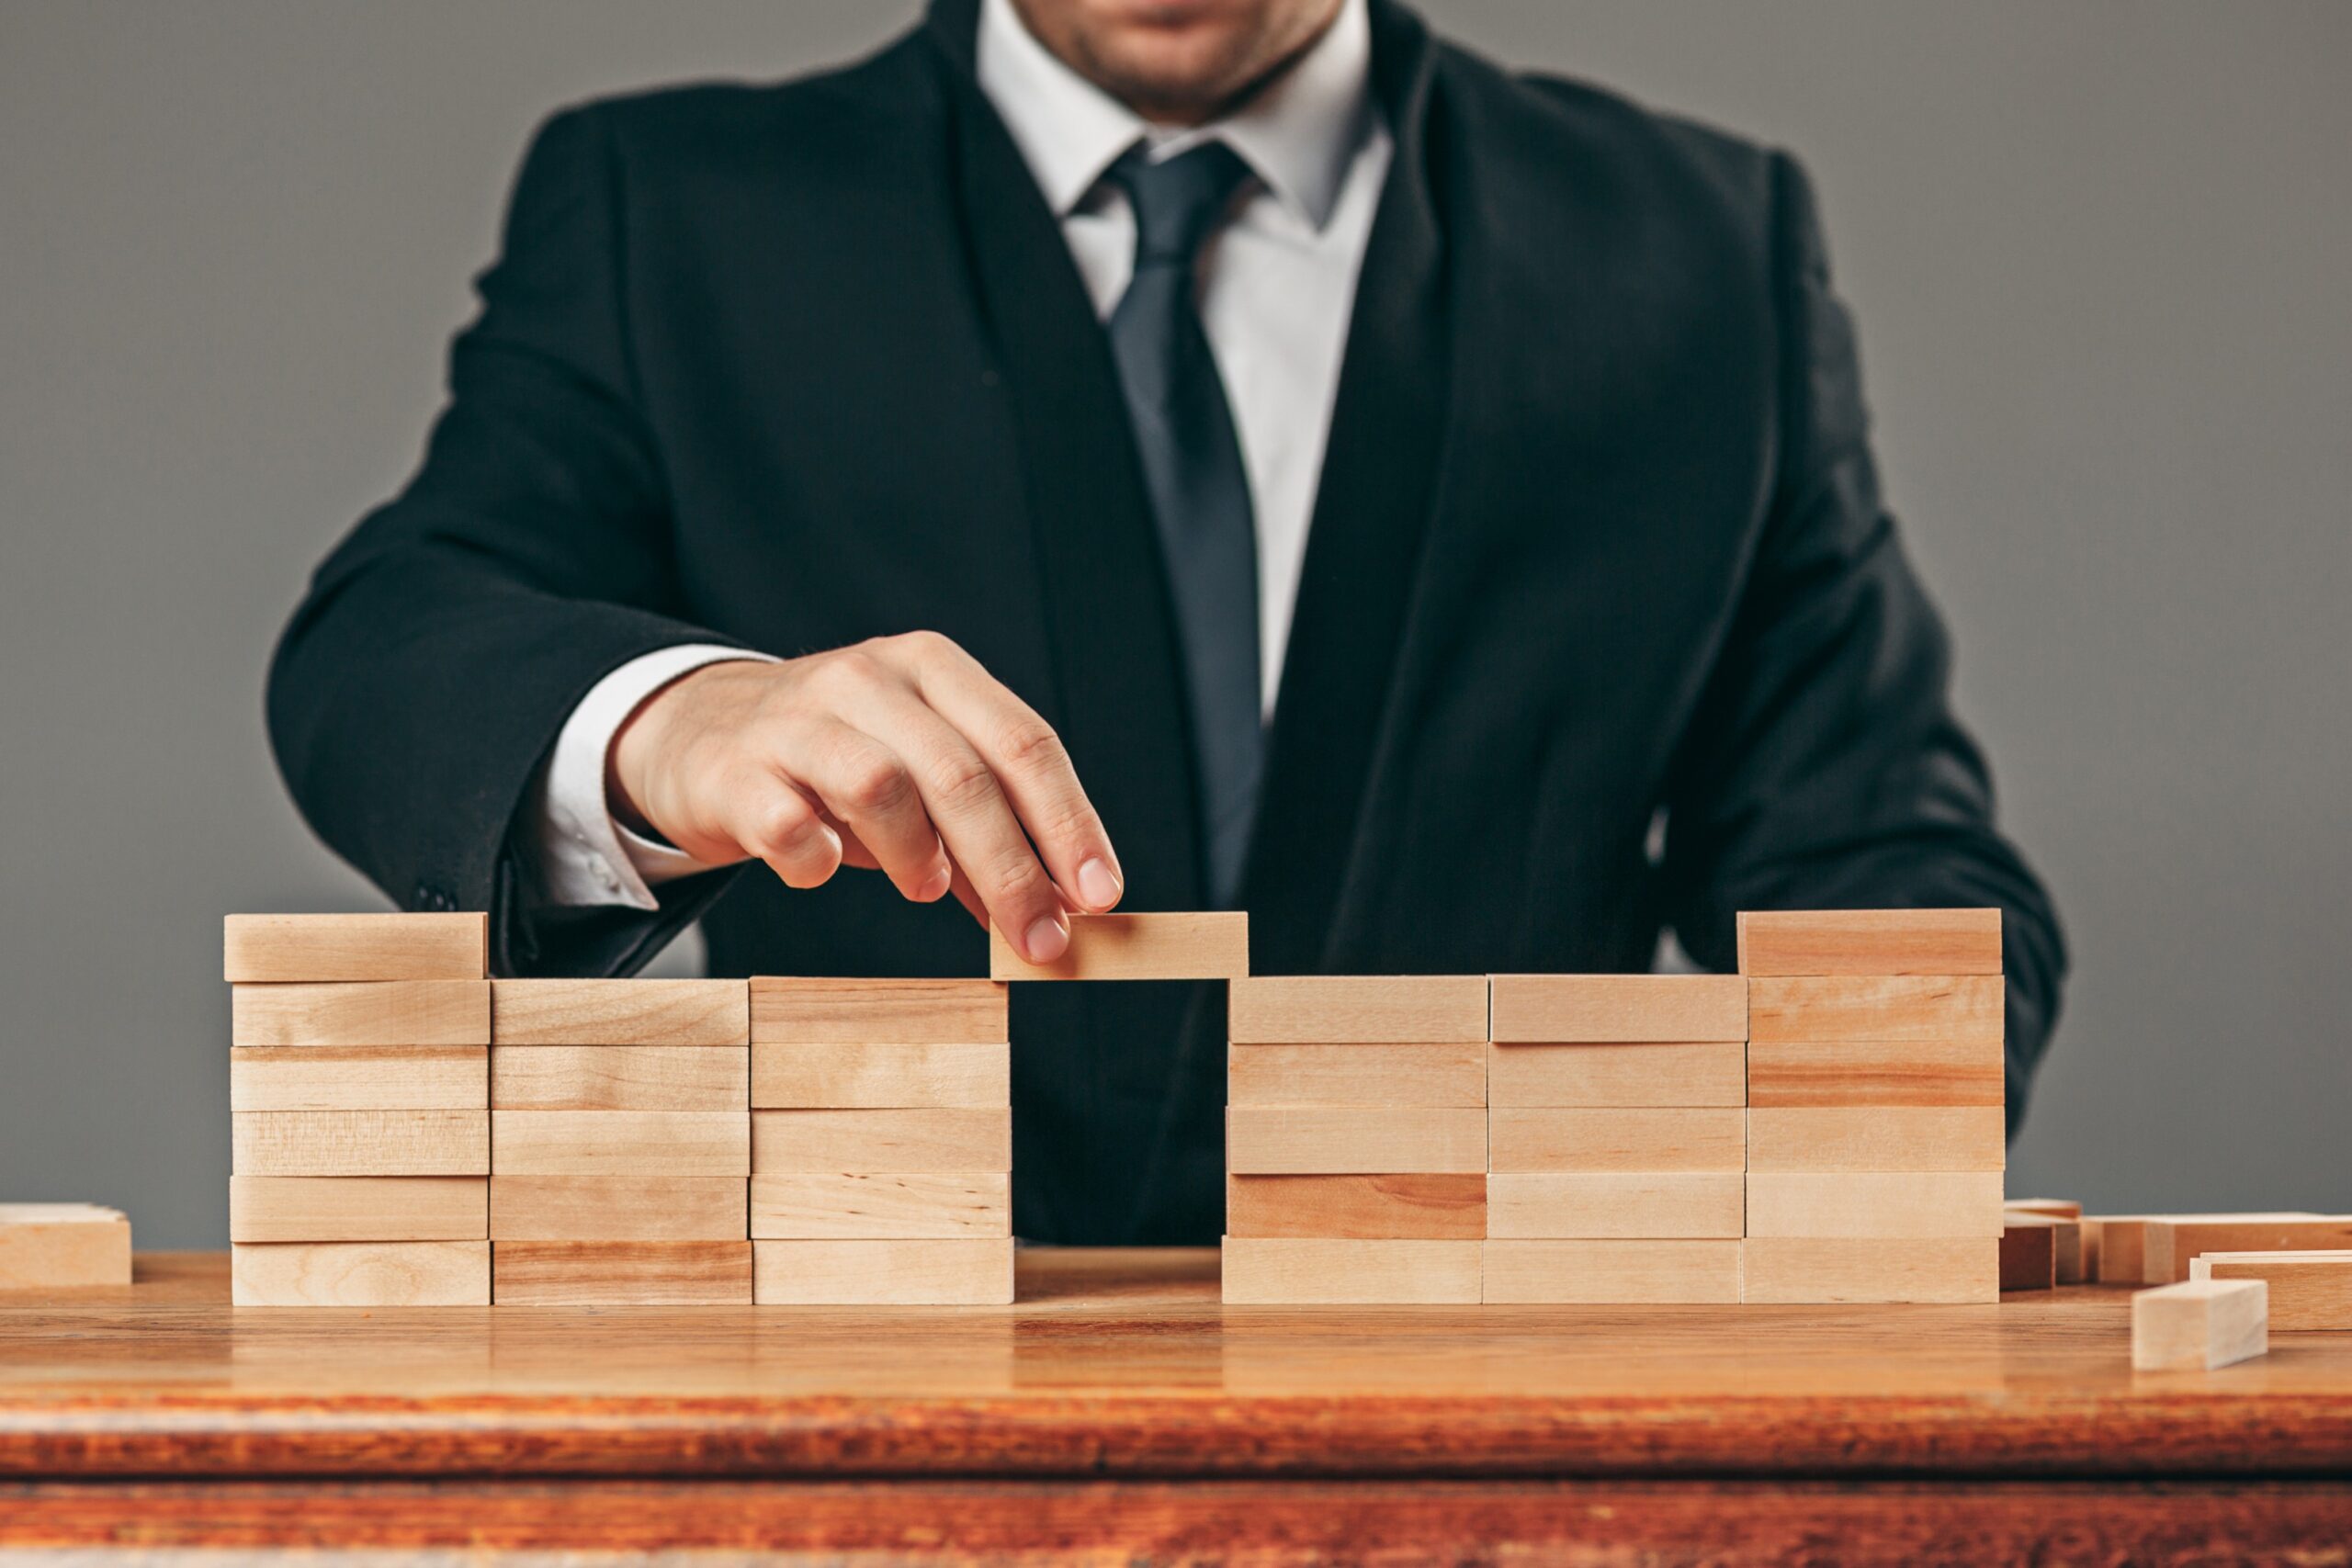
1603,628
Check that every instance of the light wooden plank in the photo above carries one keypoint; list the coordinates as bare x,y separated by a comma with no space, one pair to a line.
1900,1009
937,1076
2060,1208
2309,1291
267,949
359,1142
1372,1208
359,1207
1639,1273
62,1246
1807,1270
360,1274
2172,1242
1451,1074
1619,1010
1299,1271
388,1012
1877,1137
881,1142
621,1273
1629,1140
826,1205
620,1077
1804,1073
1869,941
2200,1324
1405,1010
621,1143
1611,1206
966,1271
1709,1073
2123,1242
1341,1140
641,1206
620,1012
1190,945
1875,1203
359,1078
790,1012
2029,1252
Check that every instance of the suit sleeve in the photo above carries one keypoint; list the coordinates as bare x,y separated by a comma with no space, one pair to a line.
421,682
1826,769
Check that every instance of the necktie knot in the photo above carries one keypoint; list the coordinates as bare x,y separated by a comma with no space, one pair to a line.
1177,201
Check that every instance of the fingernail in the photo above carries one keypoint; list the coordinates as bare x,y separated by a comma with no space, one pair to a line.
1048,939
936,885
1098,883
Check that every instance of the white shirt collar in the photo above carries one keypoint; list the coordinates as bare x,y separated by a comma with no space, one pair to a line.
1299,135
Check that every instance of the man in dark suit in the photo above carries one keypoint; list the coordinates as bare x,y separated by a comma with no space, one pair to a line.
1428,507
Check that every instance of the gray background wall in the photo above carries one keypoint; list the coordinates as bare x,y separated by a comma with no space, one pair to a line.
2100,255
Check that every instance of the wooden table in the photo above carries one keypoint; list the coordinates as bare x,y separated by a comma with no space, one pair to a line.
1119,1412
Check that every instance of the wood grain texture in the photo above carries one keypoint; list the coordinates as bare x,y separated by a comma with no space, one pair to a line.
359,1207
1441,1075
1869,941
1875,1203
2200,1324
1642,1273
63,1247
359,1142
359,1078
620,1077
2029,1254
1872,1072
1617,1010
881,1142
621,1273
1899,1009
1611,1206
1711,1072
361,1274
1370,1208
1188,945
1624,1140
270,949
1826,1270
1877,1137
1295,1272
2171,1242
620,1012
823,1206
850,1012
621,1143
1407,1009
939,1077
643,1206
962,1272
391,1013
2309,1291
1343,1140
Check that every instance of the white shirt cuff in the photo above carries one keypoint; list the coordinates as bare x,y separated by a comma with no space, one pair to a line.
585,859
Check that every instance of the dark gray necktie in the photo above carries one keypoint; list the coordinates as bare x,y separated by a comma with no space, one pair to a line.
1198,491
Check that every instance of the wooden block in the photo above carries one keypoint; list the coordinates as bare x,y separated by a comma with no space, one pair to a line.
1898,1009
359,1142
968,1271
1301,1271
1870,942
2091,1247
1805,1270
1711,1072
62,1246
1877,1137
1634,1140
1187,946
267,949
882,1077
1875,1203
359,1078
642,1206
851,1012
822,1205
2309,1291
1612,1205
621,1273
1405,1010
360,1274
2172,1241
1637,1273
390,1012
2029,1253
1869,1072
2060,1208
2200,1324
1619,1010
2123,1259
881,1142
1343,1140
621,1143
1368,1208
620,1077
359,1207
1441,1075
620,1012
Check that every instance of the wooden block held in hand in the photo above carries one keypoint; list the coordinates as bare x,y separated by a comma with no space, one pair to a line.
360,1274
1869,941
620,1012
1805,1270
881,1142
1619,1010
1711,1072
359,1078
390,1012
1875,1203
1369,1208
1441,1075
882,1077
1612,1272
968,1271
641,1206
1877,1137
1612,1205
1872,1072
1347,1140
1405,1010
621,1143
2172,1241
2029,1252
1191,945
620,1077
1298,1271
2200,1324
621,1273
790,1012
825,1205
62,1246
359,1142
2309,1291
1687,1141
359,1207
1901,1009
267,949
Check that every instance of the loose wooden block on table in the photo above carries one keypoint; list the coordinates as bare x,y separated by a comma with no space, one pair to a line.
1869,941
2029,1253
881,1142
359,1207
1343,1140
1299,1271
1612,1205
1372,1208
1612,1272
2170,1242
968,1271
1405,1010
2068,1243
360,1274
359,1078
1874,1072
1440,1075
620,1077
1877,1137
1875,1203
882,1077
2122,1244
1898,1009
62,1246
620,1012
1193,945
790,1012
390,1012
2309,1291
1619,1010
621,1143
359,1142
2200,1324
1710,1073
1822,1271
822,1206
1630,1140
644,1206
269,948
2059,1208
621,1273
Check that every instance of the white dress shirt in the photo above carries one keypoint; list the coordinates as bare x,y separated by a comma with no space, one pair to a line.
1277,286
